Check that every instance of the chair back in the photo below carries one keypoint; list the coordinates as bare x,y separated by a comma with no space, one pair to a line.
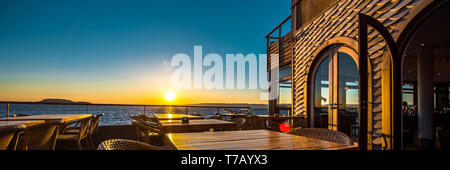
84,126
149,132
142,133
125,144
94,123
140,118
240,123
135,117
152,127
148,118
40,137
7,135
323,134
444,139
256,123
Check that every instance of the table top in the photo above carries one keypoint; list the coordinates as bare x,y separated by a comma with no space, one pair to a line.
20,122
279,117
49,117
176,116
195,124
250,140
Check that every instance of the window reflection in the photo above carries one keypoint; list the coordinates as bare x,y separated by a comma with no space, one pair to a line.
321,96
348,96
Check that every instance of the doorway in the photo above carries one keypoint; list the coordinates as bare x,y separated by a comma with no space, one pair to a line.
335,91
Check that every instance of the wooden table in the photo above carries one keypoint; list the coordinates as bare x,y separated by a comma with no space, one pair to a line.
176,116
250,140
276,118
195,125
20,122
49,117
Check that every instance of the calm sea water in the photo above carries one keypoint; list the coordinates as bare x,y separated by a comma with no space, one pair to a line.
114,115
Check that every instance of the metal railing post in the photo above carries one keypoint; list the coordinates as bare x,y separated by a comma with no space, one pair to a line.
87,109
144,110
7,110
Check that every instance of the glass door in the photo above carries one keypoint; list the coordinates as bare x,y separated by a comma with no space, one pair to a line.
336,92
322,94
347,90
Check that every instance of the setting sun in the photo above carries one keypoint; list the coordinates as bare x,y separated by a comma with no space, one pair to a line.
170,96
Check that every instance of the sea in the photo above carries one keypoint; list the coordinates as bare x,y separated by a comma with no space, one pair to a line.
114,115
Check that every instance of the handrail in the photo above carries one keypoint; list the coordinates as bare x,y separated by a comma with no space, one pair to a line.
278,26
130,105
99,104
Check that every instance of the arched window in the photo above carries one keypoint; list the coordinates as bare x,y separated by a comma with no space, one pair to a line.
335,91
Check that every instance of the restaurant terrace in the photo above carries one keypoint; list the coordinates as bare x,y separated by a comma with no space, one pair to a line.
357,75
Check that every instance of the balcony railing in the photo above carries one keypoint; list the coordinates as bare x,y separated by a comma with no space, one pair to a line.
280,41
115,114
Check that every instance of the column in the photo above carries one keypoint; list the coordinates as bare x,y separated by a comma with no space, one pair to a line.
425,84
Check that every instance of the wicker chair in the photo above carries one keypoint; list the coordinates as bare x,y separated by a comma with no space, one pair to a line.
80,135
7,134
323,134
125,144
40,137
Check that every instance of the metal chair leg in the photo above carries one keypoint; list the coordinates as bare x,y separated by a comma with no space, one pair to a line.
79,145
91,143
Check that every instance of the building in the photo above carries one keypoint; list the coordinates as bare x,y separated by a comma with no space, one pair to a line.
377,70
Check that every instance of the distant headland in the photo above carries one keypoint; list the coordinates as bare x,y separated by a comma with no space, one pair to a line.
62,101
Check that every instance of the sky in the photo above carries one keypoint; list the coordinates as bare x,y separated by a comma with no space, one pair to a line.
119,52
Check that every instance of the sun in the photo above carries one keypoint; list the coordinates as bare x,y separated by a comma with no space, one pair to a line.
170,96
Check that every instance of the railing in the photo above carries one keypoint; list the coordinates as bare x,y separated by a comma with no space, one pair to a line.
143,108
282,45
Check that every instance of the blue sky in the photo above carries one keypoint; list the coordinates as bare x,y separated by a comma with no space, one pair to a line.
60,42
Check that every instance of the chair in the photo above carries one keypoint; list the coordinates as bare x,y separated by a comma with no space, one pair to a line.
255,122
345,124
148,130
125,144
19,115
152,122
93,128
323,134
146,118
141,133
7,136
240,123
39,137
92,132
152,133
444,139
77,137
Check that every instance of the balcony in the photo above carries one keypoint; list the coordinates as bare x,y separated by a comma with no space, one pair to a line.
280,41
